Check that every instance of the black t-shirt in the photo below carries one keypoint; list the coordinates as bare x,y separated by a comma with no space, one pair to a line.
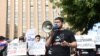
59,36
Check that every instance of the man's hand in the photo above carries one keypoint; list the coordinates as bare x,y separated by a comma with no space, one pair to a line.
64,43
51,33
49,39
72,44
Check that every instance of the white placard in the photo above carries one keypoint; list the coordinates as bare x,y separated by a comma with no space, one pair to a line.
38,48
22,49
15,49
97,40
85,42
30,35
12,49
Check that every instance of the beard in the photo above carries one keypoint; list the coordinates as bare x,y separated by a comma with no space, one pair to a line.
60,27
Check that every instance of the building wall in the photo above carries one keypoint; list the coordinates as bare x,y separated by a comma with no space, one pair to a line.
26,14
3,6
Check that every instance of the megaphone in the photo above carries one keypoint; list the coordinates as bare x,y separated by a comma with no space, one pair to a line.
48,27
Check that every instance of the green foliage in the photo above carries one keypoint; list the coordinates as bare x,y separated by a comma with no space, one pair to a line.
81,14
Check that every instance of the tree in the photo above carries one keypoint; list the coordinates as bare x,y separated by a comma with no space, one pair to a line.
81,14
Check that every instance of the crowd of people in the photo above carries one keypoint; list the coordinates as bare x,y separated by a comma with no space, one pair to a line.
59,43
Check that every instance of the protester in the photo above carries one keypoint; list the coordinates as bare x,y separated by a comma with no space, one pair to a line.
21,39
84,51
36,44
3,45
60,40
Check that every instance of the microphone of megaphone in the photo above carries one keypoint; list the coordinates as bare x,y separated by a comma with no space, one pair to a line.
55,27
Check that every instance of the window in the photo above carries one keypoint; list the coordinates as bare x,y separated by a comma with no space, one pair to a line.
16,13
9,11
16,19
39,2
39,15
32,14
47,2
47,9
31,3
8,18
24,15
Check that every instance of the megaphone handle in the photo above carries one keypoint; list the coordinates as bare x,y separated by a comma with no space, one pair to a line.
51,33
49,38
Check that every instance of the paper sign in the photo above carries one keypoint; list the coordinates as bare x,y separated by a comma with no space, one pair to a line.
16,49
85,42
38,48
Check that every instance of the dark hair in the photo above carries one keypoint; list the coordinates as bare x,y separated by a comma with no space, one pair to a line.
2,38
22,38
60,18
15,37
37,36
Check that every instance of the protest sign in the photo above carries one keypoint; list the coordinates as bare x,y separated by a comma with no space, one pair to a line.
97,40
12,49
38,48
85,42
30,35
15,49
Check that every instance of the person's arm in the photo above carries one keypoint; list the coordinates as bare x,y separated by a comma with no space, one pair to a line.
73,44
49,39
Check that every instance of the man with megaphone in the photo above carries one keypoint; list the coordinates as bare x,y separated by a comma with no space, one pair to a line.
60,40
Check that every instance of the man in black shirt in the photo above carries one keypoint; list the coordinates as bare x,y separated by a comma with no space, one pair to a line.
60,40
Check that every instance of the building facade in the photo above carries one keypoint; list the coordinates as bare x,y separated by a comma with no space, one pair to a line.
18,16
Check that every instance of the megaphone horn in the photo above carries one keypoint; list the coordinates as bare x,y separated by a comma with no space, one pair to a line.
47,26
